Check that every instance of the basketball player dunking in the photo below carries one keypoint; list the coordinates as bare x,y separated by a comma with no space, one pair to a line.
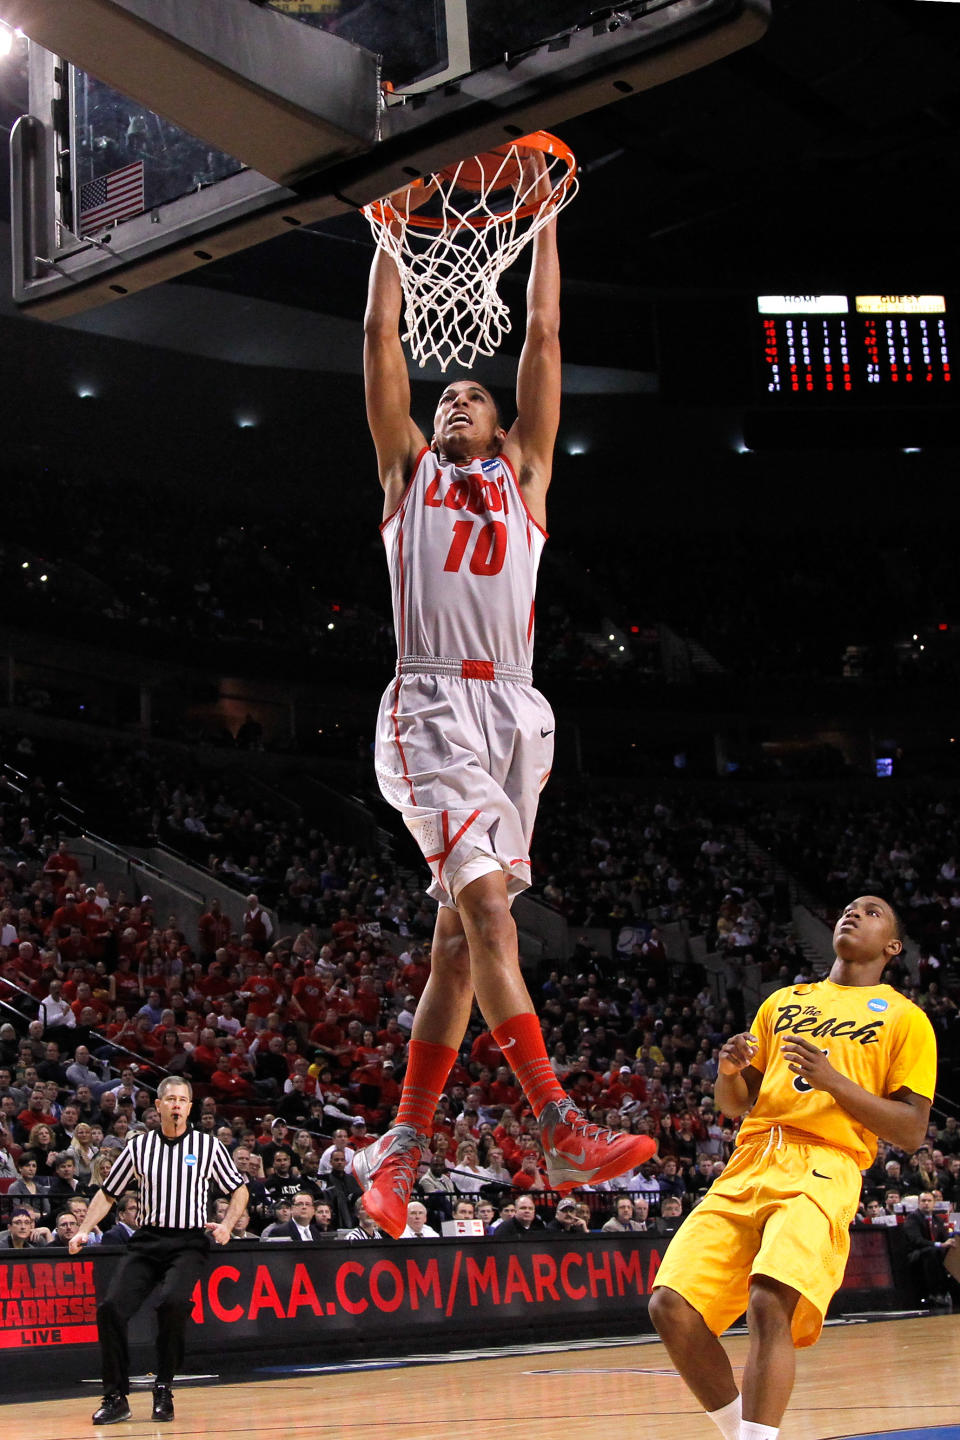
464,742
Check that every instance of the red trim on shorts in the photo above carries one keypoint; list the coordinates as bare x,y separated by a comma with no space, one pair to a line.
520,862
397,741
444,827
477,670
443,855
413,475
513,475
403,595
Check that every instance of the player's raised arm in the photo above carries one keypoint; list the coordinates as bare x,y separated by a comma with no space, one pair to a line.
395,436
529,445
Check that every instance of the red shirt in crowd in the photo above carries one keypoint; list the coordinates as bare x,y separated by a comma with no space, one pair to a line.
310,995
228,1083
214,932
486,1051
65,916
327,1036
502,1093
414,977
61,862
214,986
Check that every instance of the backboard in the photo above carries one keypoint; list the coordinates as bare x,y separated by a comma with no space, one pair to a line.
162,135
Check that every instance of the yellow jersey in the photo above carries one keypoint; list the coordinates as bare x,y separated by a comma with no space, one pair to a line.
871,1033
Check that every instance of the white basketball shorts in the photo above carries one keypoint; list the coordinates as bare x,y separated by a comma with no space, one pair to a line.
464,762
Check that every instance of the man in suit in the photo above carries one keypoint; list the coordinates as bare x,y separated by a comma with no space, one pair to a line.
341,1192
302,1226
126,1223
930,1244
417,1227
630,1214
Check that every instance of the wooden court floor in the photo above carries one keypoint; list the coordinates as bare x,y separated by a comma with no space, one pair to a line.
863,1379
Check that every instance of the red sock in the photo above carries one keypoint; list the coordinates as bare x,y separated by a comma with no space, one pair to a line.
521,1041
428,1066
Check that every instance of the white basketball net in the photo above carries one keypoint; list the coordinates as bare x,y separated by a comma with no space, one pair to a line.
450,271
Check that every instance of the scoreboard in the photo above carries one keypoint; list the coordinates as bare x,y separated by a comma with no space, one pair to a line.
887,350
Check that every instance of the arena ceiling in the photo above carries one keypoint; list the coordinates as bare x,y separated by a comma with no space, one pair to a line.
823,158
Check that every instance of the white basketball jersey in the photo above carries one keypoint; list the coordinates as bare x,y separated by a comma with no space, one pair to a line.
463,551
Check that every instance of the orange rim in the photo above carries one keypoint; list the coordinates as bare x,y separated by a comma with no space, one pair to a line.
384,213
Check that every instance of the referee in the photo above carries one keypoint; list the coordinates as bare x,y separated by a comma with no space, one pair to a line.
173,1167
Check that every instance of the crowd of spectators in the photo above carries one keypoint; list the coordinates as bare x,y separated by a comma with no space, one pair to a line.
293,1025
906,849
312,1026
296,1045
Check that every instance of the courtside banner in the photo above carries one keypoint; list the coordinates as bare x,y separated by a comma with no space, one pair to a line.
270,1304
47,1302
415,1288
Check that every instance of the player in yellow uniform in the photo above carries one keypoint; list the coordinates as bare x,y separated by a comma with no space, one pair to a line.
826,1069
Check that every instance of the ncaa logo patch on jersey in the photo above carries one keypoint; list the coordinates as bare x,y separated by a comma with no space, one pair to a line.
877,1004
189,1159
489,464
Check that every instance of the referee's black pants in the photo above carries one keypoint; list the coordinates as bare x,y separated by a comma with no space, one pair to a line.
170,1261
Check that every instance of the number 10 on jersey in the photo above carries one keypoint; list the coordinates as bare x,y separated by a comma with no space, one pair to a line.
487,551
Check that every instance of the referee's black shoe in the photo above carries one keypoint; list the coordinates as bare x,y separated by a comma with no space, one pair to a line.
162,1403
113,1407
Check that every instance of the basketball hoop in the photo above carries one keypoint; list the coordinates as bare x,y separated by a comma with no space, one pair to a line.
453,234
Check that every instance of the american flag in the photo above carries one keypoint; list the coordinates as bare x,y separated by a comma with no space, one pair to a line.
111,197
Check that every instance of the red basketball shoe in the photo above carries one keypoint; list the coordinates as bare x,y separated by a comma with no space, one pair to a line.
578,1152
387,1170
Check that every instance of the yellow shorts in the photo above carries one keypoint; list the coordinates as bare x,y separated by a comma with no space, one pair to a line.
782,1210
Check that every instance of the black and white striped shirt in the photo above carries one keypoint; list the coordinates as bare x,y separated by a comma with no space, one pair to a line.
173,1176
